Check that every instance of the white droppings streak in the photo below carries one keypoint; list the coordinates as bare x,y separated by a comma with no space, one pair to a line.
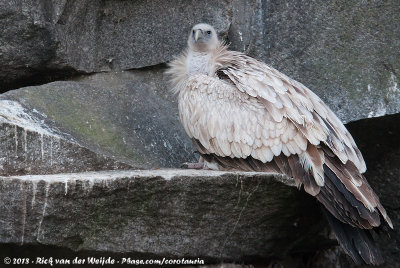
91,184
393,82
381,111
23,213
51,151
25,141
47,186
34,186
105,183
240,36
66,187
12,112
107,177
16,139
41,145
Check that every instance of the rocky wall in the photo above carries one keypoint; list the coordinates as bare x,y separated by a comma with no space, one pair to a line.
84,91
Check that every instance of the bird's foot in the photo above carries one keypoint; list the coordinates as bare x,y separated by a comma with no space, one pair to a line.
198,165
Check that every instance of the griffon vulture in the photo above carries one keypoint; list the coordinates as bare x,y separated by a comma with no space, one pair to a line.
244,115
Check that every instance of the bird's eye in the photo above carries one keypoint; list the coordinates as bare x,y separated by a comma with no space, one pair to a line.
208,32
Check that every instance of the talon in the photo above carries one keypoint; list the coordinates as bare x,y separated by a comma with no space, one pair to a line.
193,165
184,165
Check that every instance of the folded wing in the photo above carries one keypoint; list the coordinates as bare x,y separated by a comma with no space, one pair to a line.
253,117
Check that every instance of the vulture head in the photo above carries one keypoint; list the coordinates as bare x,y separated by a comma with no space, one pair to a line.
203,38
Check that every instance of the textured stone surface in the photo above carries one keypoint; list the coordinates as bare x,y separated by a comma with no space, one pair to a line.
119,34
27,43
215,215
378,140
28,146
127,116
348,52
91,36
345,51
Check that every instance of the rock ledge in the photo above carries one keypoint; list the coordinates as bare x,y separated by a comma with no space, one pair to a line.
210,214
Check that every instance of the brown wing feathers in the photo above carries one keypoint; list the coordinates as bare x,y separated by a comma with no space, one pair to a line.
244,164
339,194
346,213
332,159
356,214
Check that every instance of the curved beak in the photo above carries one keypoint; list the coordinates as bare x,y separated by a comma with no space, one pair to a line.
197,34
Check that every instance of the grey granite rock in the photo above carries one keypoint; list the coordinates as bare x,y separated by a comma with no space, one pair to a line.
123,35
348,52
164,213
126,116
345,51
28,146
26,42
378,140
42,39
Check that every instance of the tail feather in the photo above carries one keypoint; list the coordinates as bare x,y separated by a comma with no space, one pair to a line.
358,243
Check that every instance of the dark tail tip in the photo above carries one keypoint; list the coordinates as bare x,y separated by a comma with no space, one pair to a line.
357,243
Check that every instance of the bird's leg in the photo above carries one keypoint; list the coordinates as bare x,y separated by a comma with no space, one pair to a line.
198,165
202,164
